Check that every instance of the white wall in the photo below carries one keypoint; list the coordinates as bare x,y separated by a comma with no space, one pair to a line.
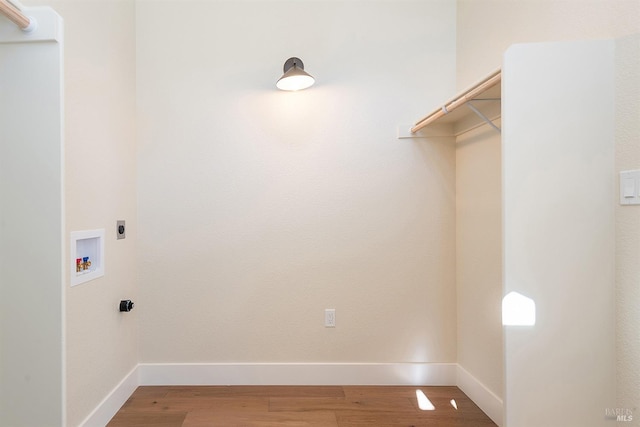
485,30
628,226
31,222
479,256
100,185
559,228
259,209
102,344
308,195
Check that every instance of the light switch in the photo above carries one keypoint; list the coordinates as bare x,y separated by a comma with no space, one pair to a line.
630,187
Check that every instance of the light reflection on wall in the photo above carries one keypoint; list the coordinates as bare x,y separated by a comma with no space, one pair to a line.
518,310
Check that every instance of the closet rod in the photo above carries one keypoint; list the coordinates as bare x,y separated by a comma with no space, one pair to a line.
460,100
14,14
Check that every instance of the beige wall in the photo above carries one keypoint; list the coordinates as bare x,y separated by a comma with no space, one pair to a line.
100,178
485,30
628,225
293,203
559,226
479,254
259,208
31,222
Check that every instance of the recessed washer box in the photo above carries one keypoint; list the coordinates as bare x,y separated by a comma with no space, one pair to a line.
87,256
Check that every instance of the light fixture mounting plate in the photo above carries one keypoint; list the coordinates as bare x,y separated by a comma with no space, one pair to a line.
289,63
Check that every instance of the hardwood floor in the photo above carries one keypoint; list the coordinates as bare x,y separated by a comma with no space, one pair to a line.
295,406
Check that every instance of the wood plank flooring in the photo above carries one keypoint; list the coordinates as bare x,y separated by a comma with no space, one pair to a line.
296,406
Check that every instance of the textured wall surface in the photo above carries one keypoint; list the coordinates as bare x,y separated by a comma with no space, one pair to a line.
31,220
485,30
260,208
628,225
559,227
479,255
100,187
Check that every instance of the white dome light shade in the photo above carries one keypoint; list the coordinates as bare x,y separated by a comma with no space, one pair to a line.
294,77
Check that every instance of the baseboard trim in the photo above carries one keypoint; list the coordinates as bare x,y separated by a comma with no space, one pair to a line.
426,374
110,405
298,374
486,400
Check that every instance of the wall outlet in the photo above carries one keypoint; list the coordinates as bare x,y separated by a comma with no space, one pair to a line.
330,318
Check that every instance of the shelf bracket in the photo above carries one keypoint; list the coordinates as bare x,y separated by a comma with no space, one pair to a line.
483,117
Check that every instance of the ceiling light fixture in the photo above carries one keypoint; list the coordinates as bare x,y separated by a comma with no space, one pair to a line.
294,77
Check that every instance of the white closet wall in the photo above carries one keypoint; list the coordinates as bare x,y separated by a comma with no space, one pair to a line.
31,224
559,239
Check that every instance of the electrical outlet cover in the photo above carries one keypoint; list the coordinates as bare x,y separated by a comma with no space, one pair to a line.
330,318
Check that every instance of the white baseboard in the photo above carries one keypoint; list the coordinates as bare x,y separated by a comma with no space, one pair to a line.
298,374
426,374
114,400
481,395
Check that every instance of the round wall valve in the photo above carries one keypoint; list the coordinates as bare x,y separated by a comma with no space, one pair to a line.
126,305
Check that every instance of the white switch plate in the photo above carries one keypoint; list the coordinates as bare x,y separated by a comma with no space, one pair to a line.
630,187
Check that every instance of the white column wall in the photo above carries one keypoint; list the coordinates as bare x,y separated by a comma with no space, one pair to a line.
100,186
478,256
559,234
485,29
31,224
628,227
